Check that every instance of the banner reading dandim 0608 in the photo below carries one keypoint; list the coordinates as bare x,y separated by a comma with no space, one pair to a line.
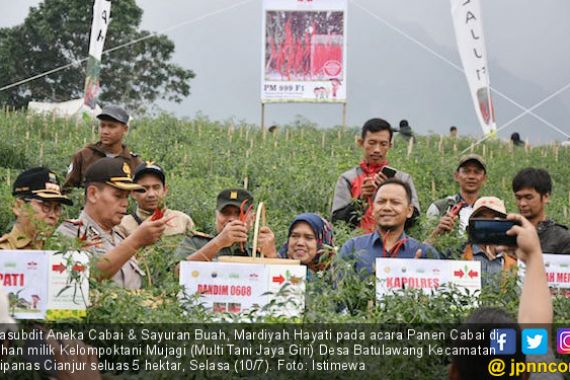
303,51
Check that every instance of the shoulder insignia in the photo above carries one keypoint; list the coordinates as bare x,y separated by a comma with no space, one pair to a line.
134,154
201,234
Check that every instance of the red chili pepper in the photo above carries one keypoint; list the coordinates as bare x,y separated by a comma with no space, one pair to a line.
244,214
158,212
458,206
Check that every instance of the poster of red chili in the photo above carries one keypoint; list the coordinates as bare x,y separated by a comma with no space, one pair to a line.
24,277
303,51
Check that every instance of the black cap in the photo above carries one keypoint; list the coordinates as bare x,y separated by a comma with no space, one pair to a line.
115,113
39,183
149,167
113,172
234,197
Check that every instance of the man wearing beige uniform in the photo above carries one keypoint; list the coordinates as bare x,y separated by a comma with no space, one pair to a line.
108,184
153,179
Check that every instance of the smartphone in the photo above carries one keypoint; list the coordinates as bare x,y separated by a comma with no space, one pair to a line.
491,231
388,171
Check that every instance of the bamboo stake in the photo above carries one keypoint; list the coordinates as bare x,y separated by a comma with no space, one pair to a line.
410,147
323,140
245,182
484,150
433,192
8,181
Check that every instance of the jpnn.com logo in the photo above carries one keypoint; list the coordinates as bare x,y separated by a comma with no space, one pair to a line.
504,341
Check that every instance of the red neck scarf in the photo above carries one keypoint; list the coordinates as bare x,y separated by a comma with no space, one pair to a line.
367,222
395,249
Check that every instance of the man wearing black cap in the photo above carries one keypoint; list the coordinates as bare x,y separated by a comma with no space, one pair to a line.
113,127
37,208
471,175
151,177
231,231
108,184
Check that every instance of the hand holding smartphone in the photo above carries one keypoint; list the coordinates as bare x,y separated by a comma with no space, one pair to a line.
491,231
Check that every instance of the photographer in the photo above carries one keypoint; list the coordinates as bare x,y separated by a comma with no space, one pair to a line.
493,258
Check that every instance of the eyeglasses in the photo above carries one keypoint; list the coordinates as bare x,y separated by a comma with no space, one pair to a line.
48,207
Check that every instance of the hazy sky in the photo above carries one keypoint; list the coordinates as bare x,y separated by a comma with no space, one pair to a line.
388,75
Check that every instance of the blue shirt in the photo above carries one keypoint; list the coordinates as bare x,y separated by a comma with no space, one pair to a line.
367,248
490,269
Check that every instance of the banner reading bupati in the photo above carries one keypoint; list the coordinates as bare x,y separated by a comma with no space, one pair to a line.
235,288
45,282
425,274
101,19
466,16
303,51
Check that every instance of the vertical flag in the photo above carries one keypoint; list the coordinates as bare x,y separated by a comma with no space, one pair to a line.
468,26
101,19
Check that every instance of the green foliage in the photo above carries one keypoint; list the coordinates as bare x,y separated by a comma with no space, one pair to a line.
57,32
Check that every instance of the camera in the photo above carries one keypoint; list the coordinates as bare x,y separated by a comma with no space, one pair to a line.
491,231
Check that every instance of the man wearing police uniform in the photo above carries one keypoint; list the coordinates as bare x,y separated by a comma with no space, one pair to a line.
231,232
37,208
108,184
152,178
113,127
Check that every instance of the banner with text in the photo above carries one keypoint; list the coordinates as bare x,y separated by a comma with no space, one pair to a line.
235,288
471,44
303,51
428,275
557,267
40,282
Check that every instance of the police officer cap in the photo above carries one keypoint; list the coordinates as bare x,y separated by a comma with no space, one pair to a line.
39,183
113,172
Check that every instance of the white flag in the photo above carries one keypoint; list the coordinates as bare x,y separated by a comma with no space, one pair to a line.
101,19
468,26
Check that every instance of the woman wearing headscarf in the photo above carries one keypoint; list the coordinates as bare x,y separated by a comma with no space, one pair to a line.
310,240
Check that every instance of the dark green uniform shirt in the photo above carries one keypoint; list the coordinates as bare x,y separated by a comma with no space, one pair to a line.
196,240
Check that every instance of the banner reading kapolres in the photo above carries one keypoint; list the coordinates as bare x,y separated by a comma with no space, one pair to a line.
101,19
303,51
468,26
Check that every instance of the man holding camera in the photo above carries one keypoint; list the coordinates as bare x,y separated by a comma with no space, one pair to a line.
355,189
532,188
471,175
493,258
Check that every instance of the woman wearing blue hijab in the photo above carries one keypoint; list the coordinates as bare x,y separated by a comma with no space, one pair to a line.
310,240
